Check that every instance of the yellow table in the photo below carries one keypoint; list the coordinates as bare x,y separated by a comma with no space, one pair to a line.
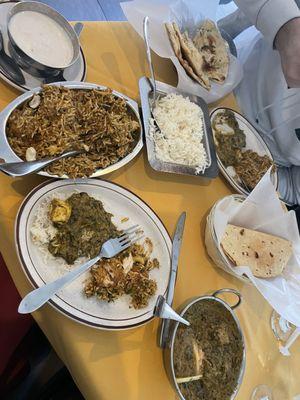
128,365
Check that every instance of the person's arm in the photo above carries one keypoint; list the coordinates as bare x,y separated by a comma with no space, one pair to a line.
287,42
269,15
279,22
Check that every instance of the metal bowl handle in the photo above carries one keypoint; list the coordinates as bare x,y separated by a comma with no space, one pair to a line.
228,290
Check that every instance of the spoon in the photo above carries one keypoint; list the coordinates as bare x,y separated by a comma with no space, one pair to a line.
60,76
148,51
24,168
9,66
152,80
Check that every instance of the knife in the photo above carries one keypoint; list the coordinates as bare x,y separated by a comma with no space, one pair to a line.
176,245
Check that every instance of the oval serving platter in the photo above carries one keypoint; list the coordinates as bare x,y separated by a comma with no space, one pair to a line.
254,142
8,154
41,267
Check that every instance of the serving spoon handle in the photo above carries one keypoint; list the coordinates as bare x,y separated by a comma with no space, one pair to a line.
149,58
23,168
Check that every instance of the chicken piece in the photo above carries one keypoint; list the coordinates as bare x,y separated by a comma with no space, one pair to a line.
60,211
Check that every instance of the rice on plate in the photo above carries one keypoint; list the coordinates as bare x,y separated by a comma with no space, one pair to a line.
70,230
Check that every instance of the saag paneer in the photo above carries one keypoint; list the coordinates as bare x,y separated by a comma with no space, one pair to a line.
211,347
82,227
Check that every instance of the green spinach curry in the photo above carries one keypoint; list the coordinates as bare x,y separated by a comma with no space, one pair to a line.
82,227
210,348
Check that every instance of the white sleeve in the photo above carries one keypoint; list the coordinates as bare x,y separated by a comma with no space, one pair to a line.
269,15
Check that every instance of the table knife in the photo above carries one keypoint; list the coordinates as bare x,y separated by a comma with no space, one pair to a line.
176,245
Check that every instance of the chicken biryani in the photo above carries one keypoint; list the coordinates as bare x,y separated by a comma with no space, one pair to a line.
60,119
75,228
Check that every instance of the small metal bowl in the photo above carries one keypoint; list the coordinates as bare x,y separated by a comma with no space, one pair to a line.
25,61
169,349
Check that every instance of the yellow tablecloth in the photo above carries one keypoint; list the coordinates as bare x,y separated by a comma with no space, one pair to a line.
128,365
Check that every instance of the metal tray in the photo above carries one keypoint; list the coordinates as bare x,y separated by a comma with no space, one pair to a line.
7,153
211,170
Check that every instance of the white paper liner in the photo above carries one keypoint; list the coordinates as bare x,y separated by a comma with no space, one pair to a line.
263,211
188,14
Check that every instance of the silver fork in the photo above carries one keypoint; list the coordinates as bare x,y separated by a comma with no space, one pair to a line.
110,248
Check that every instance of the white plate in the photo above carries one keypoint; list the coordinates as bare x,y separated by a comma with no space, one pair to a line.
77,72
70,300
7,154
254,142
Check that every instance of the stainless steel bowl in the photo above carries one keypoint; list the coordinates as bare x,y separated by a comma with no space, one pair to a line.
26,62
8,155
169,350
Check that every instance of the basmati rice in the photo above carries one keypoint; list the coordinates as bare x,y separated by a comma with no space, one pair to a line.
180,134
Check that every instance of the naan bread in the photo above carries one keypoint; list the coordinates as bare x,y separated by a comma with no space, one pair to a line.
211,45
266,255
192,55
175,42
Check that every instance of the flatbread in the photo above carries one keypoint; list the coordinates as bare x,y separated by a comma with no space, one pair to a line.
211,45
192,55
176,40
266,255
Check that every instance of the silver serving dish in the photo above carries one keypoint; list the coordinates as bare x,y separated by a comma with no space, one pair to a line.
8,155
169,349
24,60
162,89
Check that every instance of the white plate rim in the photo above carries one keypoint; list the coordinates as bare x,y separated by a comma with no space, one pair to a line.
57,302
257,136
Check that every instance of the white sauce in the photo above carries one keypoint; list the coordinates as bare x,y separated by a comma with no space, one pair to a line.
41,38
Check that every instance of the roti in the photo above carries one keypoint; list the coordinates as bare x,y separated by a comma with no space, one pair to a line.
175,42
266,255
210,43
205,57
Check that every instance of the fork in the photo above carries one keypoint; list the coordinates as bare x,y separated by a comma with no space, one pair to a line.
109,249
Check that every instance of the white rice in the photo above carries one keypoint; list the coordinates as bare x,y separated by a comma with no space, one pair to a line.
180,134
42,231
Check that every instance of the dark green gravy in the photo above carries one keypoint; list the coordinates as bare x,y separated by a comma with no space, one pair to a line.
214,331
88,227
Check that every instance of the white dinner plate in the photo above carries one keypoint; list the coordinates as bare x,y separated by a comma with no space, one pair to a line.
71,301
76,72
254,142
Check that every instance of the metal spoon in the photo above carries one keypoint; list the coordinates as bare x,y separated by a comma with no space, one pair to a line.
9,66
164,311
24,168
152,80
60,76
148,51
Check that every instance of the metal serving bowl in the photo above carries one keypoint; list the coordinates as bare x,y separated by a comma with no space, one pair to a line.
169,350
8,155
26,62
